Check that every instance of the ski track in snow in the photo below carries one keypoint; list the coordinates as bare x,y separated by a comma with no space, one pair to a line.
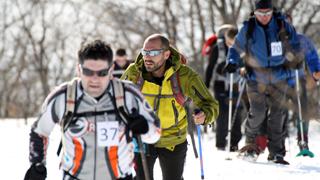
14,137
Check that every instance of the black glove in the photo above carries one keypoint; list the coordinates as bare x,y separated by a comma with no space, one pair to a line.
220,68
230,68
137,123
36,172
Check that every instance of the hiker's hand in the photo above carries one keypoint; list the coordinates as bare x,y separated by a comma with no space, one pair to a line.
137,123
230,68
36,172
243,71
316,75
199,117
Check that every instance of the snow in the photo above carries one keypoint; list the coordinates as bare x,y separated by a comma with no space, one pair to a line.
14,137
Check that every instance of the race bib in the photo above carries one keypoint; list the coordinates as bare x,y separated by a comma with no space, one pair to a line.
108,133
276,49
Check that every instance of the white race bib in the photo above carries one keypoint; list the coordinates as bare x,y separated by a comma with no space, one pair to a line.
276,49
108,133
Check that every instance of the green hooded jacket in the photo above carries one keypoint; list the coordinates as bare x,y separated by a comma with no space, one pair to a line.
173,116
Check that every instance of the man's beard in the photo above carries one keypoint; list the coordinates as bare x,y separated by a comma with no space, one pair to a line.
155,68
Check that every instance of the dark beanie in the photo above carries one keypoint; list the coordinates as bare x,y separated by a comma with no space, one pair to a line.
263,4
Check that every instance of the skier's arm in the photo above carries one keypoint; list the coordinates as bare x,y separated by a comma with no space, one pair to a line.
202,98
312,58
39,134
237,50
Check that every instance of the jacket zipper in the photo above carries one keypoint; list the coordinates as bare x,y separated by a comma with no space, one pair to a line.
157,101
268,53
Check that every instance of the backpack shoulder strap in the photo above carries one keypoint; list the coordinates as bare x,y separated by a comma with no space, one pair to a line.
71,95
176,88
140,81
175,85
119,101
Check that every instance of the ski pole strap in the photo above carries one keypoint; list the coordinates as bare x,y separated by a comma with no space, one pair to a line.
191,125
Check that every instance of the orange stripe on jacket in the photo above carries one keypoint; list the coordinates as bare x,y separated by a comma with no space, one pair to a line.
77,156
113,156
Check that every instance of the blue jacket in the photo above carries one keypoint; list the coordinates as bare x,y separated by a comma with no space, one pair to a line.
266,56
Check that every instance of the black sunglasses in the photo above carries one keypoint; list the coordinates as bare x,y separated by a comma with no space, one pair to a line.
89,72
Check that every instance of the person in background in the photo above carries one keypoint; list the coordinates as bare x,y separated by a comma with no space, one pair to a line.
96,141
265,58
311,59
121,62
217,60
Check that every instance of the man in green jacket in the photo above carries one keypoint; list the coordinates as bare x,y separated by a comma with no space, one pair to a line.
156,70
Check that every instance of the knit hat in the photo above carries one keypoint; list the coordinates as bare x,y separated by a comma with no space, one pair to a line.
263,4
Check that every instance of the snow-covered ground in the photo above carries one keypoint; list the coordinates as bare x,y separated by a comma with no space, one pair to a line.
14,136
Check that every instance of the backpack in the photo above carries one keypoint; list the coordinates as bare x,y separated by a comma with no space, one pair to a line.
207,46
71,106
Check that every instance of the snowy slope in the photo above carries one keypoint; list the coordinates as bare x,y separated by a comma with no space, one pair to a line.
14,158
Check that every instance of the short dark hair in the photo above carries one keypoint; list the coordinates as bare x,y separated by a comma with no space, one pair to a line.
95,50
232,32
121,52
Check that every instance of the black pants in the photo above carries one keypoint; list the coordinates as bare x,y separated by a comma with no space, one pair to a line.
222,97
171,162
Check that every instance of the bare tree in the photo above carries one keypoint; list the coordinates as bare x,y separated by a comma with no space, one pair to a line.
40,39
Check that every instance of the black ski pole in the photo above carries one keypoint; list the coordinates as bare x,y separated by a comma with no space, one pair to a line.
143,159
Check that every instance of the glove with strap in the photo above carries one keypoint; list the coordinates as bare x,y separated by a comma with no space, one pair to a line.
137,123
230,68
36,172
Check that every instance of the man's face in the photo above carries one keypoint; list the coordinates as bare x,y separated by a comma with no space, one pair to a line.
154,55
229,41
263,15
121,60
94,76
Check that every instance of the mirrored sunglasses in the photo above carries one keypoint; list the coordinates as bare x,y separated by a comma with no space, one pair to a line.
259,13
89,72
151,53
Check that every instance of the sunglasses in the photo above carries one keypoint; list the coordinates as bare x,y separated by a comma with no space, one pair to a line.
259,13
89,72
152,53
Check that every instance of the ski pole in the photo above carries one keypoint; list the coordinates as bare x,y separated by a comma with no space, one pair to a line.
230,115
143,159
200,151
242,87
304,151
196,111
